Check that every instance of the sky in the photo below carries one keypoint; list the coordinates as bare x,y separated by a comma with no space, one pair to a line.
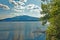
13,8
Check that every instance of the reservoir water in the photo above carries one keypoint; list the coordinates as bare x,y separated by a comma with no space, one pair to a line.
22,31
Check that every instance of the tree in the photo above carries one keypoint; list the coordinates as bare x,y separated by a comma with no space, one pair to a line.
51,9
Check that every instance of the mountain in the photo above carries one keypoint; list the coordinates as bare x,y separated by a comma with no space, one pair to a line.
21,18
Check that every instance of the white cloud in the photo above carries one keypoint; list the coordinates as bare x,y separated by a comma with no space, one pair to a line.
35,10
19,9
32,10
36,7
33,6
13,2
4,7
33,14
3,16
16,2
18,6
20,3
30,6
23,0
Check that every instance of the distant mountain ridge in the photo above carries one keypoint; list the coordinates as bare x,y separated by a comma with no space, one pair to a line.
21,18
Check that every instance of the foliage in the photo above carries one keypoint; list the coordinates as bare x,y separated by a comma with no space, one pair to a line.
52,15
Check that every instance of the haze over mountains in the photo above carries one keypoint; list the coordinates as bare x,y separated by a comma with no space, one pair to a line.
21,18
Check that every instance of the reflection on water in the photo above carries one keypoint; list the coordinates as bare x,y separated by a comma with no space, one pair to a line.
21,31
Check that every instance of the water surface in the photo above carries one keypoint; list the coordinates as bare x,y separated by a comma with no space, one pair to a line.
21,31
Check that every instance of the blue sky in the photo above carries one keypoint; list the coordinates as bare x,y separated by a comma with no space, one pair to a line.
12,8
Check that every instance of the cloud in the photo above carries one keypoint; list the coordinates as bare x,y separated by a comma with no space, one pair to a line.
18,6
21,8
35,10
18,11
30,6
3,16
20,3
13,2
30,9
17,2
23,0
4,7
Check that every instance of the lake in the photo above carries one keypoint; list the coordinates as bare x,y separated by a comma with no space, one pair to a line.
22,30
